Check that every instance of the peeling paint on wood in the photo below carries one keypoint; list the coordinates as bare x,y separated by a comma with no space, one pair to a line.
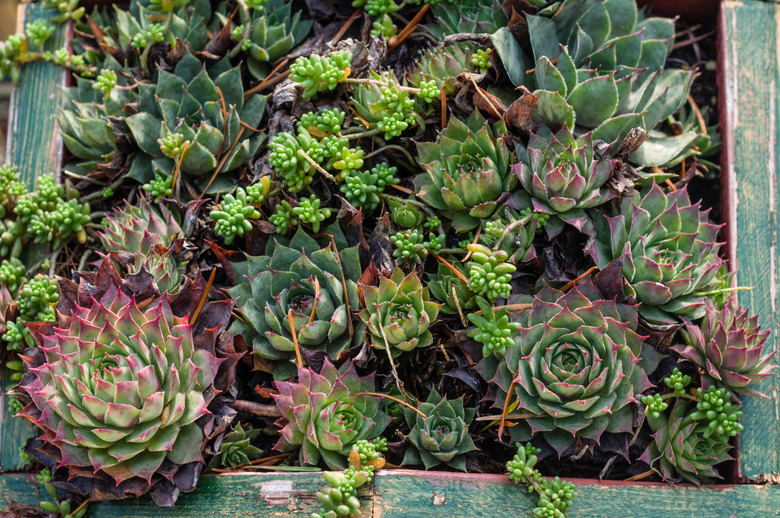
750,59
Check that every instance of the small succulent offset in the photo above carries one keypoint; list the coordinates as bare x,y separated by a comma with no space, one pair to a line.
564,179
399,313
327,413
466,171
668,251
575,366
442,436
727,348
120,390
490,274
299,292
235,448
233,216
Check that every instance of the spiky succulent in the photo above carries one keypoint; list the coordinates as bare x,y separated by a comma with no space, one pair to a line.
235,448
399,313
475,16
327,413
574,366
442,437
189,102
466,170
140,239
727,346
442,65
683,448
304,282
119,391
598,66
668,252
564,179
449,288
274,32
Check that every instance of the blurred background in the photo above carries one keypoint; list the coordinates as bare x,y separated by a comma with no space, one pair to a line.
7,27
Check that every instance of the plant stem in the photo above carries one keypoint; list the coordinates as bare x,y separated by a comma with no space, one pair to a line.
377,82
252,407
317,166
369,133
246,19
99,193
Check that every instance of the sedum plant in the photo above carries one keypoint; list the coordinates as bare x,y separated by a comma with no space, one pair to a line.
119,391
668,251
492,328
442,437
727,347
398,313
326,413
299,291
575,366
466,171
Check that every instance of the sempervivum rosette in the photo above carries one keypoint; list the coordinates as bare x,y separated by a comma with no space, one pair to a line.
574,367
121,394
564,179
302,281
466,170
728,348
326,413
141,239
668,249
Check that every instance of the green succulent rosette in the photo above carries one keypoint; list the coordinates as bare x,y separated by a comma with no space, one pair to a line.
575,366
599,66
274,32
443,436
683,448
728,348
450,289
141,240
305,281
474,16
119,392
235,448
466,170
668,251
186,105
398,313
564,179
326,413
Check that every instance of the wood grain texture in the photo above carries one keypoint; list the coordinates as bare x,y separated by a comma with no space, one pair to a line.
410,494
750,86
34,147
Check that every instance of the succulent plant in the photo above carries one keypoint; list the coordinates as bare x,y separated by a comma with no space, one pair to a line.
327,413
233,216
442,65
189,102
235,448
448,288
443,436
398,313
475,16
466,171
274,32
727,348
683,448
668,252
140,238
490,272
564,179
318,74
574,366
493,328
362,189
303,282
598,66
119,391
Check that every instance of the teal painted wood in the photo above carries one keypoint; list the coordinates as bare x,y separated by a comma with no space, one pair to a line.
34,148
410,494
750,80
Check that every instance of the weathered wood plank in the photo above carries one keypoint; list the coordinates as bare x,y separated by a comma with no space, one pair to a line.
35,149
414,494
262,495
749,79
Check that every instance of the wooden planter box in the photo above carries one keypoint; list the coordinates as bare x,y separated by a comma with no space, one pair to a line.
749,72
